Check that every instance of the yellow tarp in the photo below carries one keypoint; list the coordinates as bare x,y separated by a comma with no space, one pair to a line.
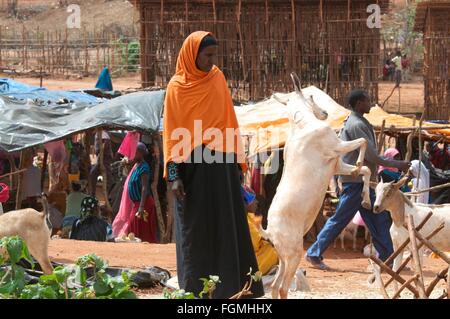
267,122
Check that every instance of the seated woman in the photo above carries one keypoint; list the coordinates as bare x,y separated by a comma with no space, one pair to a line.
73,207
422,183
90,226
389,174
265,254
143,212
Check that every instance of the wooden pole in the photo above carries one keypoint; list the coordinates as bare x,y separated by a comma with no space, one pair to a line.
403,246
420,153
448,283
394,275
380,280
402,287
13,173
101,165
415,253
12,164
381,137
409,146
19,182
154,186
439,276
406,261
44,169
432,247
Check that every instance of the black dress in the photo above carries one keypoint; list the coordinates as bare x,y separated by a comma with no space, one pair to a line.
212,234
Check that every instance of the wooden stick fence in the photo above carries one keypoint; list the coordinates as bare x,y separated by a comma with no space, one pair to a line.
68,52
261,42
416,241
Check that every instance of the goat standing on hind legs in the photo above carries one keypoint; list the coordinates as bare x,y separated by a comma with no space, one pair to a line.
312,156
31,226
356,127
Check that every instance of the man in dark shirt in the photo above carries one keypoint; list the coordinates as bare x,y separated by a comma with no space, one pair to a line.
356,126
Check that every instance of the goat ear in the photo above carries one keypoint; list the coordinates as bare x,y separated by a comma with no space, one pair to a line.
373,185
401,182
280,99
296,82
297,116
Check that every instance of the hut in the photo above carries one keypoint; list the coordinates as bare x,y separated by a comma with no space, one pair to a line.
327,42
432,19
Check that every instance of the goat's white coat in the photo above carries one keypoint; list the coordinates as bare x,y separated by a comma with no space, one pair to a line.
31,226
311,157
390,198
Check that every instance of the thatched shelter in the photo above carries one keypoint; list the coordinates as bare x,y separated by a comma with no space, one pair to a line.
433,19
327,42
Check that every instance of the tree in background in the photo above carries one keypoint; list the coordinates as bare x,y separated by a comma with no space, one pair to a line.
398,34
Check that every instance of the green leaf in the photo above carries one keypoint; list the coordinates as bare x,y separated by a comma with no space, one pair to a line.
7,288
80,275
38,291
101,288
14,247
61,274
127,295
26,255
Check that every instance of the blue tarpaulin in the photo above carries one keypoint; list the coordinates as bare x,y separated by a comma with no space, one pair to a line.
25,124
21,91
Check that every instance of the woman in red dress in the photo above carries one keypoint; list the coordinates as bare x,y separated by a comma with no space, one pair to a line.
143,223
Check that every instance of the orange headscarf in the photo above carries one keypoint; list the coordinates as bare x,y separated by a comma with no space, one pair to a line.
194,95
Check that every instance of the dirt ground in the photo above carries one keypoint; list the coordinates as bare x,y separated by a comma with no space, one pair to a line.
411,94
411,97
122,83
349,280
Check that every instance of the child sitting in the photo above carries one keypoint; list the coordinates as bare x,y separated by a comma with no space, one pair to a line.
265,254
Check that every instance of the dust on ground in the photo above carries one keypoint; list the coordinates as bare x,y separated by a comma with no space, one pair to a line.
349,280
123,83
411,97
411,94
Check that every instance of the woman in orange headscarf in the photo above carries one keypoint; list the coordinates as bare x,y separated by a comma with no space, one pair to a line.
202,152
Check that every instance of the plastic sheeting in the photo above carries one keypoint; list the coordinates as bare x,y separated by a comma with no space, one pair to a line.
22,92
25,124
267,122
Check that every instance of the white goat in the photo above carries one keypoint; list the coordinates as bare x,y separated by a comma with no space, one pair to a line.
390,198
312,155
31,226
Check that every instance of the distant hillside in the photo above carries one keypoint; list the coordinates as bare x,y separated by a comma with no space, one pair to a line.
48,15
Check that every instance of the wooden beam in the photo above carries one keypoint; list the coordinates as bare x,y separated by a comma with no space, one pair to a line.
380,137
415,253
13,173
394,275
44,169
432,247
406,261
440,275
402,287
154,186
19,183
403,246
